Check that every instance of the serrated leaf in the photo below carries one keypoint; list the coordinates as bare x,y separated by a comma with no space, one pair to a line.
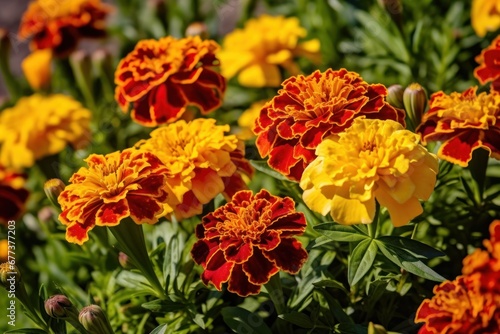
244,321
407,261
297,318
416,248
164,305
337,232
361,260
263,167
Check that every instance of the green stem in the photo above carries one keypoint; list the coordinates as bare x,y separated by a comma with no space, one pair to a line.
50,166
10,82
373,227
130,238
276,294
478,166
22,296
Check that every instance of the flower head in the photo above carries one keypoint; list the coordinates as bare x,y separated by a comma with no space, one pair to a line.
463,122
123,184
489,65
37,69
485,16
470,303
60,24
202,162
373,160
39,126
310,108
161,78
13,195
248,240
264,46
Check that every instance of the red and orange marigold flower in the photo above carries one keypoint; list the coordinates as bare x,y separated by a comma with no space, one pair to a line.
489,65
13,195
463,122
310,108
161,78
248,240
123,184
60,24
202,162
470,303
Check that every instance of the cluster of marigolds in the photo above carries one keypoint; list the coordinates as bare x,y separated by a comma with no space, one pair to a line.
332,132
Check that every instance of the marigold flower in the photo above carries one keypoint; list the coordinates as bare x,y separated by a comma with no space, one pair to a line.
4,250
262,47
471,302
60,24
489,65
123,184
485,16
161,78
39,126
248,240
310,108
37,69
371,160
463,122
13,195
202,162
247,120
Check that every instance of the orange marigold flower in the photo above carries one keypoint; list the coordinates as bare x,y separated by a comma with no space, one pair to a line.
489,65
263,47
60,24
464,122
310,108
39,126
4,250
13,195
485,16
470,303
202,162
161,78
248,240
123,184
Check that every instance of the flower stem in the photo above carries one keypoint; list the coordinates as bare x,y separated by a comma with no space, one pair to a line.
130,238
477,167
276,294
372,228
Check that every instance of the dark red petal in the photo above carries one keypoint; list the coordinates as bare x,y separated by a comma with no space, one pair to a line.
217,271
458,149
237,251
288,256
259,269
110,214
239,283
291,224
143,208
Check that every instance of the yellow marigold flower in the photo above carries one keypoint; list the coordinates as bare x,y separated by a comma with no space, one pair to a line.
371,160
37,69
201,160
264,45
59,24
161,78
247,120
485,16
39,126
123,184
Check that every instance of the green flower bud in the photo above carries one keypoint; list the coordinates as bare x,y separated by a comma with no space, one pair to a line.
395,96
60,307
53,188
125,261
10,276
197,29
94,320
415,102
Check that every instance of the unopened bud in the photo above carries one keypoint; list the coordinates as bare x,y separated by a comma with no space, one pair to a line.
415,102
37,69
395,96
81,64
197,29
10,276
60,307
94,320
395,10
125,261
53,188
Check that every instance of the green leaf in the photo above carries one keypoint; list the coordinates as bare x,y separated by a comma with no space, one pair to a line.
297,318
162,329
164,305
337,232
334,307
361,260
244,321
407,261
27,331
416,248
330,283
263,167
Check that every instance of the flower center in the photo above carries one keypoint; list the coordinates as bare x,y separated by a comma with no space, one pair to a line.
247,225
479,111
52,9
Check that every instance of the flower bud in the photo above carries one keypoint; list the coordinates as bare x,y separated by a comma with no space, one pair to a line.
10,276
395,96
376,329
395,9
37,69
415,102
125,261
53,188
59,306
197,29
81,64
94,320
